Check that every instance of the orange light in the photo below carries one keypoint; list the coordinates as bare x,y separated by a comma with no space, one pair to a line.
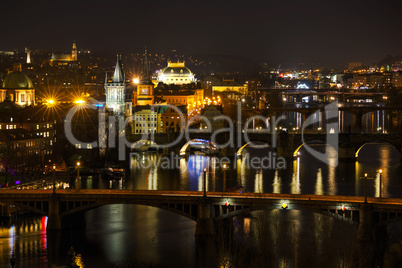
79,101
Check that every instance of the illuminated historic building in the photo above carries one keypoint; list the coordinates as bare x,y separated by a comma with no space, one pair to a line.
225,85
116,97
18,88
191,99
176,73
147,120
171,121
65,59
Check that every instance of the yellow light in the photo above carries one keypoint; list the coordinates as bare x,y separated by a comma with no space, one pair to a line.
284,206
136,80
54,166
79,101
380,171
51,101
78,164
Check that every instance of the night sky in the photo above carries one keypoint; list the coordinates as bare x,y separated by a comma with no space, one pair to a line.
333,32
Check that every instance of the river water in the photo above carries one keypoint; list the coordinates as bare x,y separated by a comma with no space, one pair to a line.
133,234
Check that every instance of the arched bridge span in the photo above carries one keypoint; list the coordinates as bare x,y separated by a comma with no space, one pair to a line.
204,210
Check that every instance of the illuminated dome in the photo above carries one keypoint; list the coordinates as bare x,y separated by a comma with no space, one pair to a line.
17,80
18,88
176,73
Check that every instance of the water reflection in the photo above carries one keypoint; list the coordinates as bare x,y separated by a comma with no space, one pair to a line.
26,239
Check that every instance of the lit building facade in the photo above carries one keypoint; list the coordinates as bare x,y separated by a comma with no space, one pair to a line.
171,121
176,73
147,120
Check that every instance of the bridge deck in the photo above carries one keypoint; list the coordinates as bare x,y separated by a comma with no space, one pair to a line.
105,193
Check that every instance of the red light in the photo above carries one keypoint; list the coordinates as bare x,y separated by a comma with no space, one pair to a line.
343,208
226,203
280,74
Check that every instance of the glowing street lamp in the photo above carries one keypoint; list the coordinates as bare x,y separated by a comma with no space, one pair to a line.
136,81
54,179
80,101
78,175
365,187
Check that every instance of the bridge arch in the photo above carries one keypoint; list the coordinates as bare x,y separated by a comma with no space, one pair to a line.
398,149
199,143
188,211
309,142
252,144
143,145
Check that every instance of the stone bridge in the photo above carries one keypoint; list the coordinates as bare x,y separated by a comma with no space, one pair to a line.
204,210
287,144
208,210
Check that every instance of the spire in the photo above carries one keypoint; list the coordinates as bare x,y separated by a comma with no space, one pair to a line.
118,72
146,64
146,77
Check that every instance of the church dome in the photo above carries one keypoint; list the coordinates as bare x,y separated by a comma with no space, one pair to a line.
17,80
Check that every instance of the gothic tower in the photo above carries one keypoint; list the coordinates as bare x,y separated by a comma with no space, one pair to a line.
28,51
116,90
145,89
74,52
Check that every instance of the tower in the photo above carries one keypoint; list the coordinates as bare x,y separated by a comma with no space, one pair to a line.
74,52
145,89
116,90
28,51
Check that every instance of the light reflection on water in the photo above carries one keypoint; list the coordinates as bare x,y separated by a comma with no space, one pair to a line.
125,232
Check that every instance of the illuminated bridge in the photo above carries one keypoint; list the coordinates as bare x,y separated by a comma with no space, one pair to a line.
206,211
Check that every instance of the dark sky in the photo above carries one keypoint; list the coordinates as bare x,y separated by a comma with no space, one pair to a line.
274,31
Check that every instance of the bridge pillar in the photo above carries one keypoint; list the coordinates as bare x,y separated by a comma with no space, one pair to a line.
357,121
205,222
347,153
54,218
285,145
366,237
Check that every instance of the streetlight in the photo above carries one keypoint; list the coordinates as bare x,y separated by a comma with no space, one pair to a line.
365,187
205,182
380,171
54,180
78,175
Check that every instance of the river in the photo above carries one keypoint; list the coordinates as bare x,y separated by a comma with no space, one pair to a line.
127,234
